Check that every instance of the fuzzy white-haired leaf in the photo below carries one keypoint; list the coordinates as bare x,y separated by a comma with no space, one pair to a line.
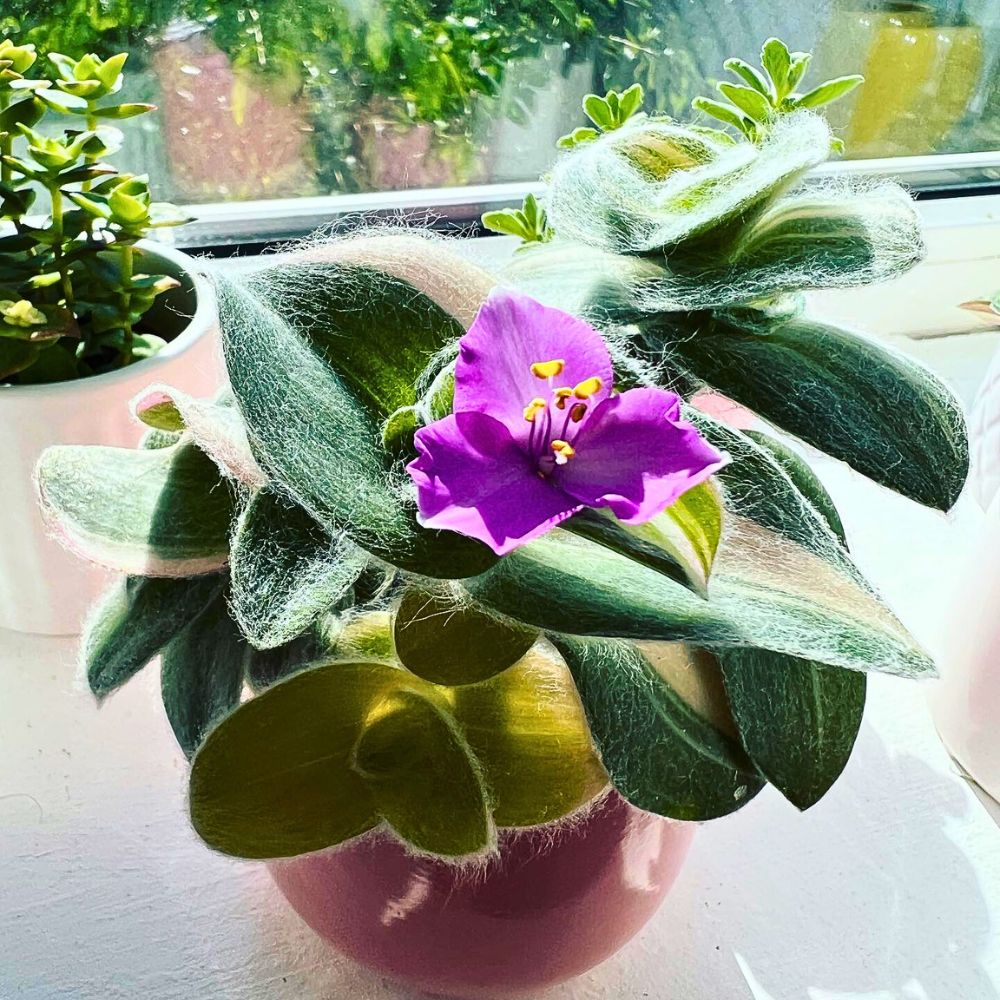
215,425
286,570
781,581
135,619
661,754
159,512
598,196
312,412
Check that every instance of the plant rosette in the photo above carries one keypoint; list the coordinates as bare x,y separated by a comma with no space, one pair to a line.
452,576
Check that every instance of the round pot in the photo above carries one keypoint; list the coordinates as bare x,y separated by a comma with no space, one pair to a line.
44,588
553,902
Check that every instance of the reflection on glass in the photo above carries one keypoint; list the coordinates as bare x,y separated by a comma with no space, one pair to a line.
286,98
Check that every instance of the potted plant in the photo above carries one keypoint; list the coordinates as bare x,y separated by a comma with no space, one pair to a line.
90,309
462,610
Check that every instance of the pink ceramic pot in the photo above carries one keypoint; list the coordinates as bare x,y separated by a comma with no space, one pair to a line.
553,904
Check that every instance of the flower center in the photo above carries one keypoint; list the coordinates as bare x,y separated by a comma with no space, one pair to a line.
566,406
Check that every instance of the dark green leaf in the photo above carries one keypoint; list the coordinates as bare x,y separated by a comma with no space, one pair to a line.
286,570
135,620
797,720
887,416
202,674
316,439
448,642
661,755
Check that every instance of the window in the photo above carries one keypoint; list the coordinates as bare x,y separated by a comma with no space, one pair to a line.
309,107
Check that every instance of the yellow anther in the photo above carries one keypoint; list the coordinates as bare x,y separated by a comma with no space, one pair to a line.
533,409
562,395
587,388
548,369
576,414
564,451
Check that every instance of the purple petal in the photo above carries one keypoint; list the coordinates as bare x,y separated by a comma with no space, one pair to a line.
472,477
635,456
510,333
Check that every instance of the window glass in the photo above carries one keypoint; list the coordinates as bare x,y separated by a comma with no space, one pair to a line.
291,98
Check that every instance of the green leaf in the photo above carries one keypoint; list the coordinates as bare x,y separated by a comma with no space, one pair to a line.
598,111
749,75
201,676
804,480
215,425
895,421
135,620
777,60
630,101
446,641
800,63
506,221
16,356
311,434
797,720
121,111
286,570
680,543
422,777
832,90
723,113
528,730
322,756
748,100
660,753
162,512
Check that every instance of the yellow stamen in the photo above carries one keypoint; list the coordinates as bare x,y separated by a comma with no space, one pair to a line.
564,451
562,395
577,413
547,369
533,409
587,388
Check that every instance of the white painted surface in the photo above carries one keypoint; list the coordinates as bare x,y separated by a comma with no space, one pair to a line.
889,889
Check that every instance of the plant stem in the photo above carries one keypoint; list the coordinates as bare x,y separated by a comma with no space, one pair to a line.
128,263
6,143
57,247
88,159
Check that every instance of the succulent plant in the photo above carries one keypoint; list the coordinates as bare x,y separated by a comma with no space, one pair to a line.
72,284
410,677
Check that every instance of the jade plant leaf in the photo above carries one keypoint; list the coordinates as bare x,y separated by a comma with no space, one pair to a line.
528,730
330,752
660,753
313,436
423,778
215,425
160,512
680,543
286,569
201,675
895,421
798,720
135,620
447,641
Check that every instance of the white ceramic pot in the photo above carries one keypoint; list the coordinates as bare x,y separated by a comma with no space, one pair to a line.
44,588
966,700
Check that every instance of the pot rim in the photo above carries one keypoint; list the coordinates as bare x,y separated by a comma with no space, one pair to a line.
198,325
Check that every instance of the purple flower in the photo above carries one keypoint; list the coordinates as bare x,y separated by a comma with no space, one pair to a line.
537,434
